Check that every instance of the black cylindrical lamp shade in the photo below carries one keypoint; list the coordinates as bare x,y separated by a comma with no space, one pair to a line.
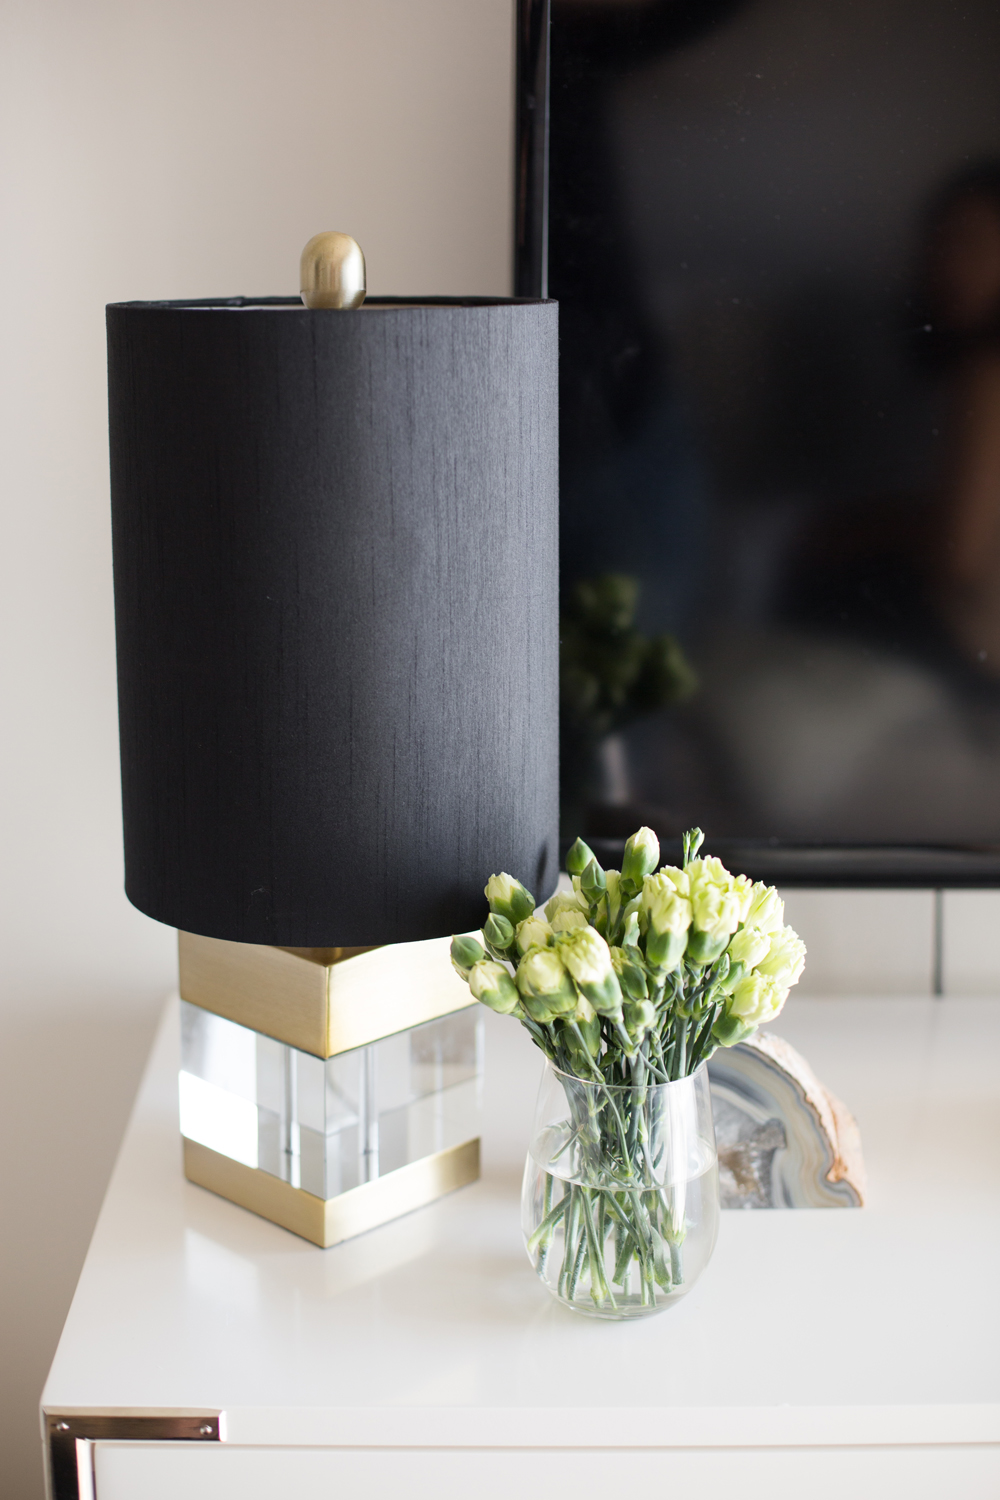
335,552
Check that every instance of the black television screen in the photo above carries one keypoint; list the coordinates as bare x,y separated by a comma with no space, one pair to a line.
773,227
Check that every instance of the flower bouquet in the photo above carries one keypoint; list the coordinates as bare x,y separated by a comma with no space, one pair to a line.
628,984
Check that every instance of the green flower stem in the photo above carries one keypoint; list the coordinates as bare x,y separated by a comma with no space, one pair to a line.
657,1069
639,1223
625,1246
573,1135
539,1036
569,1234
602,1222
704,1043
642,1230
638,1104
617,1217
581,1250
599,1289
616,1212
599,1079
681,1067
647,1294
542,1236
628,1046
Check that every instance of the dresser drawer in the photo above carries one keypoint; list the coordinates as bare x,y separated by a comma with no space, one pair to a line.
196,1471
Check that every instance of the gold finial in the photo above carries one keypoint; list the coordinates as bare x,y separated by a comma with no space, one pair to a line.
332,271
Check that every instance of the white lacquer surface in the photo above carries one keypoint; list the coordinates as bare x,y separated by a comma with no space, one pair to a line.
832,1327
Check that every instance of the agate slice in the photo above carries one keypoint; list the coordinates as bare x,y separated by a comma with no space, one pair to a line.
784,1140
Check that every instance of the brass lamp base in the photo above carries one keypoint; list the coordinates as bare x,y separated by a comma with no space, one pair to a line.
321,1000
328,1221
328,1090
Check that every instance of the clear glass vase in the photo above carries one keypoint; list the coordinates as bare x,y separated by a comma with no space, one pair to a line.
620,1204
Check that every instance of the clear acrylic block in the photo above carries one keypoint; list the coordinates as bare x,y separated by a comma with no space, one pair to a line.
329,1125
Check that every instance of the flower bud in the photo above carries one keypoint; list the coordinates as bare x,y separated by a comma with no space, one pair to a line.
509,898
465,952
630,977
588,959
542,977
532,933
491,984
664,951
640,1017
691,843
642,855
593,883
578,858
720,980
537,1009
590,1030
586,1030
728,1030
702,948
634,903
614,882
585,1012
498,933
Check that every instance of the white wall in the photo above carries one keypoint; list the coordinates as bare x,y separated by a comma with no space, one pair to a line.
162,148
864,942
882,942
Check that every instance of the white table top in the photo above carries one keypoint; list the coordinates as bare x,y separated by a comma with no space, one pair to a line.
825,1326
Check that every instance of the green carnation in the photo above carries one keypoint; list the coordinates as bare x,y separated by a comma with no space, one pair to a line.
509,898
666,915
785,959
588,958
719,903
642,855
544,984
532,933
491,984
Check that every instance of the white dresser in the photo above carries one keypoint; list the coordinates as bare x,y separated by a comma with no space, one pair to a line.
209,1355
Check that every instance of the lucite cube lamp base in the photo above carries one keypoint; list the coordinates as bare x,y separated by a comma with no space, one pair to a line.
370,1119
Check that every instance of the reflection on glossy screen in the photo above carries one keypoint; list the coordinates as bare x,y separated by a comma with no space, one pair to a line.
775,237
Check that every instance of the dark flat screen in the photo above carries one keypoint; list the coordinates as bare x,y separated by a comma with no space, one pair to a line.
774,232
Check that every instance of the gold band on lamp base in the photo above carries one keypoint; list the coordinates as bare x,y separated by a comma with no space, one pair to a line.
322,1000
328,1222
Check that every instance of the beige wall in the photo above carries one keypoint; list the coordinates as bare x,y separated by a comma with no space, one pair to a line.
162,148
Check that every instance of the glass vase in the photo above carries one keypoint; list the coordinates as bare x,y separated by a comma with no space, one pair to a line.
620,1204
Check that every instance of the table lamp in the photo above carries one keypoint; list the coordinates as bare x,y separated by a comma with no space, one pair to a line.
335,556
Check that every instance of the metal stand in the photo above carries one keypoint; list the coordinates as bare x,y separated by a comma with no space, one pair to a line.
937,961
